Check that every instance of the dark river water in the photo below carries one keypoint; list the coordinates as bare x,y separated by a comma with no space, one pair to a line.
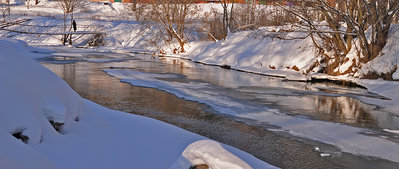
320,101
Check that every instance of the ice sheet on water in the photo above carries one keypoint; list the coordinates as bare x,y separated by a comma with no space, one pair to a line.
347,138
203,92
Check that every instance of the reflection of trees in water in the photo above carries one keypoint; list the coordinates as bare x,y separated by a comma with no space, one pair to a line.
344,109
68,72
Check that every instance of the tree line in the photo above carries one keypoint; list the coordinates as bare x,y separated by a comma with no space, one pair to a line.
336,27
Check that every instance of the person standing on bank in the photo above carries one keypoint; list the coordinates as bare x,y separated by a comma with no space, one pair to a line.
74,25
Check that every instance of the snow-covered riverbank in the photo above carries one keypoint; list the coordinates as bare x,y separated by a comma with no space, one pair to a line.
91,136
230,98
262,51
258,51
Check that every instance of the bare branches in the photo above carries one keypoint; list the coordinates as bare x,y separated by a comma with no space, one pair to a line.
366,21
172,15
5,8
227,17
68,6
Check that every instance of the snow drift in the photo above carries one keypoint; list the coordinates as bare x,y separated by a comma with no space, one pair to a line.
259,51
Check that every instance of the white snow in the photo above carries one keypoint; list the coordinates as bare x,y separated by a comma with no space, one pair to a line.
39,96
258,51
392,131
92,136
325,155
208,152
388,89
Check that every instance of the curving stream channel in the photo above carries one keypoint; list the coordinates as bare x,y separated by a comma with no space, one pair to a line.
237,108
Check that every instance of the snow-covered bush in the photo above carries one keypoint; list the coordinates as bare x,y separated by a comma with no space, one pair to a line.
97,40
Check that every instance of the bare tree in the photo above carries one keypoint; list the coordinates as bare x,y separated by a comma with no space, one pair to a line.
134,5
360,16
27,3
366,21
251,11
8,7
228,17
225,19
5,9
68,7
212,25
172,15
140,10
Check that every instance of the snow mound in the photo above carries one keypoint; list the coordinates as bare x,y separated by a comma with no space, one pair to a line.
30,94
391,131
388,61
258,51
31,97
210,153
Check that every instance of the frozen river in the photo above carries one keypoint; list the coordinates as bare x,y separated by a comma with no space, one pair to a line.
278,121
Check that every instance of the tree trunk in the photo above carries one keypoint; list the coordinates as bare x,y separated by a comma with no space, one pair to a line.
8,7
64,36
70,29
134,5
226,20
231,16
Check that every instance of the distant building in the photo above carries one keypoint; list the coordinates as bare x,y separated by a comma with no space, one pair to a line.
285,2
197,1
123,1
